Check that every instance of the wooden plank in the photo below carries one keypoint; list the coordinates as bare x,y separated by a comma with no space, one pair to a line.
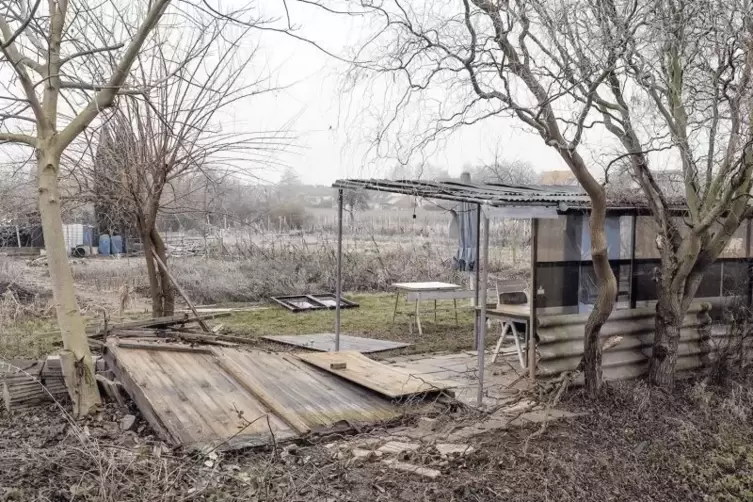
159,322
139,397
181,292
519,312
167,347
193,401
258,391
317,398
387,380
325,342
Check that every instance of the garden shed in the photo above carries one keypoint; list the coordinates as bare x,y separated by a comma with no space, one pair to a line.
561,271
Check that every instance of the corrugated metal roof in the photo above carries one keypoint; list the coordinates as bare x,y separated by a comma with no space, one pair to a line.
560,197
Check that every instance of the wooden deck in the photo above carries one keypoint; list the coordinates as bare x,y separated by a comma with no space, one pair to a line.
501,379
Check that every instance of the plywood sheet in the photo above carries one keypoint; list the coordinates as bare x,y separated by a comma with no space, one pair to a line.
204,397
386,380
191,401
325,342
307,396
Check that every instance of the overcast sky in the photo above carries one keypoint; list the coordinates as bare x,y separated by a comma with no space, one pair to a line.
334,127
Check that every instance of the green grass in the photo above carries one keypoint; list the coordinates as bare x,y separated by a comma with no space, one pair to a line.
29,339
35,338
372,319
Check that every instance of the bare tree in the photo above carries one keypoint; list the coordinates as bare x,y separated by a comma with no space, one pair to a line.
165,144
453,64
677,86
68,64
354,201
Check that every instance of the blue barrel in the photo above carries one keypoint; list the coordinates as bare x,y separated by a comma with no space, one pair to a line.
104,245
116,244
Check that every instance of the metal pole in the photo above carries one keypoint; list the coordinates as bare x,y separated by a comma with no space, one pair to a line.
482,313
338,295
477,276
633,275
749,264
531,331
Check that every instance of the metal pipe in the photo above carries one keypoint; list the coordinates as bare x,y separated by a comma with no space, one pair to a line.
338,294
532,324
482,312
633,275
749,264
477,276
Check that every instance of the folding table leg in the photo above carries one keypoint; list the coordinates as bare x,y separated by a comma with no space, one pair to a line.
502,333
455,305
517,346
418,319
394,313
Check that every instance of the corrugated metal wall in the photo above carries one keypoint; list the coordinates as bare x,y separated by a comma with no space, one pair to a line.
560,345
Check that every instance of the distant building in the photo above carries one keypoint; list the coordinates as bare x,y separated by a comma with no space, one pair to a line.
558,177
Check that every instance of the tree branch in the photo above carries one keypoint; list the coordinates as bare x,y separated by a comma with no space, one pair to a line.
9,137
105,97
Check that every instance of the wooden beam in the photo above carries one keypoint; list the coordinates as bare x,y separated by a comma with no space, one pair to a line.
181,292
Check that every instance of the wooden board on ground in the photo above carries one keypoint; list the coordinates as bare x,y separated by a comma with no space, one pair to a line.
202,397
386,380
190,401
307,397
325,342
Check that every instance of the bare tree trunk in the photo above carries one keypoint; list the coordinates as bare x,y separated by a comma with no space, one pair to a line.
155,289
168,295
606,298
78,365
669,316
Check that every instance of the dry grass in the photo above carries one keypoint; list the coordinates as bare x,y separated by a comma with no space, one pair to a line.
634,444
258,272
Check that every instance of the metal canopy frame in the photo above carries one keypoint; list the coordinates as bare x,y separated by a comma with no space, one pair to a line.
531,202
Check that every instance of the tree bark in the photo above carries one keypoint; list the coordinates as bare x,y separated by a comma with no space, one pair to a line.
168,295
78,363
669,316
606,298
152,273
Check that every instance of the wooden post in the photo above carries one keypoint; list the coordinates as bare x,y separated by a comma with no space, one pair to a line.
482,312
338,294
532,300
18,237
181,292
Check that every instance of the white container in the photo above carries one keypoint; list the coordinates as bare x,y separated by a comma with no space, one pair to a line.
73,235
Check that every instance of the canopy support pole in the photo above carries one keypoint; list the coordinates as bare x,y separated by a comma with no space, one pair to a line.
481,308
338,294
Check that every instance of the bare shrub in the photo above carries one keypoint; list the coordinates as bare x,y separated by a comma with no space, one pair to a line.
292,215
732,347
254,272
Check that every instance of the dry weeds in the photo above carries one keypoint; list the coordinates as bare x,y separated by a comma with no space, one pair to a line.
635,444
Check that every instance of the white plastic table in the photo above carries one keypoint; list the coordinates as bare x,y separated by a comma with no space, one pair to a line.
420,291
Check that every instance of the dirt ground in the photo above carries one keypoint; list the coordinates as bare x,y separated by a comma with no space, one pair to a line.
633,445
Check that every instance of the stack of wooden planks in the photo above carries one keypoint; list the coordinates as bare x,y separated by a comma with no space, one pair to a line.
30,383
